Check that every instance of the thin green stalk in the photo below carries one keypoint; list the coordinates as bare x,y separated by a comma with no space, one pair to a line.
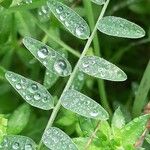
140,99
57,107
101,84
93,135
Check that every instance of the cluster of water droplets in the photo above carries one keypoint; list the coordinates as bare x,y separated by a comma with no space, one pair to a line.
44,13
100,68
34,93
116,26
83,105
72,21
17,143
54,61
55,139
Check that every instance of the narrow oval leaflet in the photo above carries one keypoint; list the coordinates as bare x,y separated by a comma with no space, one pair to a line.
78,81
99,2
70,19
120,27
49,79
83,105
17,142
101,68
50,58
32,92
56,139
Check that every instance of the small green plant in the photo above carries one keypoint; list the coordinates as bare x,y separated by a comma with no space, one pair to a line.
93,126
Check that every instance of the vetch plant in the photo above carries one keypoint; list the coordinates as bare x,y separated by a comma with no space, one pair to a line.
93,117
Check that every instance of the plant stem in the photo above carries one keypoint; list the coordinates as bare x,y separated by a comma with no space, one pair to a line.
92,136
57,107
142,92
101,84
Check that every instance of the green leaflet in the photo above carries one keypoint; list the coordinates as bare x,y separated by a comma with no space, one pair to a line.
101,68
78,81
118,121
133,130
116,26
99,2
44,13
32,92
12,142
83,105
56,139
51,59
49,79
3,127
19,119
70,19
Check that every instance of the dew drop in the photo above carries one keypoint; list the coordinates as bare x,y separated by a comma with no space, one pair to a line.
37,96
45,99
18,86
62,17
23,81
15,145
43,52
33,88
79,30
14,79
94,113
44,9
28,97
59,9
60,67
28,147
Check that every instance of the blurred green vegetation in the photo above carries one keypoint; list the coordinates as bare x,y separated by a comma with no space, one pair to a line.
29,19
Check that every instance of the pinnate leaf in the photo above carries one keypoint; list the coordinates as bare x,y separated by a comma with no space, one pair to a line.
56,139
101,68
83,105
32,92
51,59
13,142
120,27
70,19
